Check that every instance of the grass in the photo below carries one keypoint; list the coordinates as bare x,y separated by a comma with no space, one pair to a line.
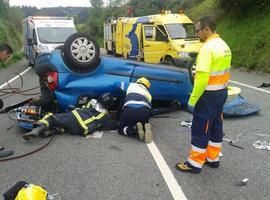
8,34
249,40
248,37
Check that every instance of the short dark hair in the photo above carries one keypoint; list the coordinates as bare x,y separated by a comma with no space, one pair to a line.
208,21
6,47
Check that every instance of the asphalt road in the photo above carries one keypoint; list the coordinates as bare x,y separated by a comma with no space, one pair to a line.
118,168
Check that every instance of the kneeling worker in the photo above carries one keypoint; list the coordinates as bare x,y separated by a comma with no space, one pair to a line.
80,121
136,111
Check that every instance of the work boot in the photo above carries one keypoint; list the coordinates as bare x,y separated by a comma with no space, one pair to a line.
212,164
140,131
148,133
35,132
185,167
4,154
52,131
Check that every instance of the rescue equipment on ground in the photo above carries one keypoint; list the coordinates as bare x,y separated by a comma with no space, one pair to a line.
25,191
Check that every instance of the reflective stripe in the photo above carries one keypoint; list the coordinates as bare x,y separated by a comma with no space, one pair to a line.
139,89
194,148
125,130
44,121
138,103
218,73
84,123
196,158
215,144
213,150
94,118
194,163
212,160
215,87
78,117
88,104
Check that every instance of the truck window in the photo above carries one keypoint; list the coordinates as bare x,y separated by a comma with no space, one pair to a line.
34,37
149,33
161,34
50,35
180,31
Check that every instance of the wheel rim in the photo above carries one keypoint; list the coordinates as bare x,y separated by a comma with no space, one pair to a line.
83,50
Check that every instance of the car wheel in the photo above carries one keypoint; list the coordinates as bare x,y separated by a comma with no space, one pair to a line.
81,53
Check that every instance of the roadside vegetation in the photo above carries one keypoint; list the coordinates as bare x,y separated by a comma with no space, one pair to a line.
10,31
243,24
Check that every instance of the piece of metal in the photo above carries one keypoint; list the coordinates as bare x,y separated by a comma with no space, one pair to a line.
232,142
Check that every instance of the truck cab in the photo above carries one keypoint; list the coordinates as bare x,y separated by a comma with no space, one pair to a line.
154,38
44,34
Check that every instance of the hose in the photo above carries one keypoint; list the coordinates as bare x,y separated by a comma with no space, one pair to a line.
29,153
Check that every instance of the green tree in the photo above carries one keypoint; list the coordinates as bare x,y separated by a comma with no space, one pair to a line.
243,7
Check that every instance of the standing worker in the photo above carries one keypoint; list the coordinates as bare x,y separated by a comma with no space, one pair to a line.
5,53
208,97
136,111
80,121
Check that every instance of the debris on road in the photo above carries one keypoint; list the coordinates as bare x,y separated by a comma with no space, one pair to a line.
232,142
186,123
243,182
95,135
263,145
264,85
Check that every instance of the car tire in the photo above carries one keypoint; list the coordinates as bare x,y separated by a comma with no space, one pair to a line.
81,53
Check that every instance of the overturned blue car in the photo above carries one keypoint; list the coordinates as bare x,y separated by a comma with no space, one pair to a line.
75,72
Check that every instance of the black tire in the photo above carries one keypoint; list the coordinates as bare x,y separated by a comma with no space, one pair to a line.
169,60
81,53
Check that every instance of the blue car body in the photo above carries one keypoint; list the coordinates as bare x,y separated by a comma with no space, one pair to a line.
114,75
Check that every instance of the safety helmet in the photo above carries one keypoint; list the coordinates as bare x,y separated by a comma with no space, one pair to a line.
144,82
106,100
32,192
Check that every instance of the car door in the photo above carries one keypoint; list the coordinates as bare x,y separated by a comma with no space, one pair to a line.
167,82
155,43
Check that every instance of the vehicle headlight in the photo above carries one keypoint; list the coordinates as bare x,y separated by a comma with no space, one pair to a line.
183,54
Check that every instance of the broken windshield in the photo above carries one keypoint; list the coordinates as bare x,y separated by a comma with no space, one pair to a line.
181,31
50,35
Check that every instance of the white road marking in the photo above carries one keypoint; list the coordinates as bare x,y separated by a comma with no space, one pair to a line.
164,169
249,86
15,77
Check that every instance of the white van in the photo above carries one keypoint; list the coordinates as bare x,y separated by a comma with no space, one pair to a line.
44,34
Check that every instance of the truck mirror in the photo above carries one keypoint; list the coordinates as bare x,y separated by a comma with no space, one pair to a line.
29,41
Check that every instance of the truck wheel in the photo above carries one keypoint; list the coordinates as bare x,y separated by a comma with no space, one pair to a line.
81,53
169,61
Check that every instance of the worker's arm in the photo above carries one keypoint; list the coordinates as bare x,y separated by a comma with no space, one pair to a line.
200,83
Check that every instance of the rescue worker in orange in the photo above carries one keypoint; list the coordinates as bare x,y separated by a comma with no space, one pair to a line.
208,97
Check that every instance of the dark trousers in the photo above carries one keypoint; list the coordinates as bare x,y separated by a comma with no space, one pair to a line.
207,121
66,121
129,118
